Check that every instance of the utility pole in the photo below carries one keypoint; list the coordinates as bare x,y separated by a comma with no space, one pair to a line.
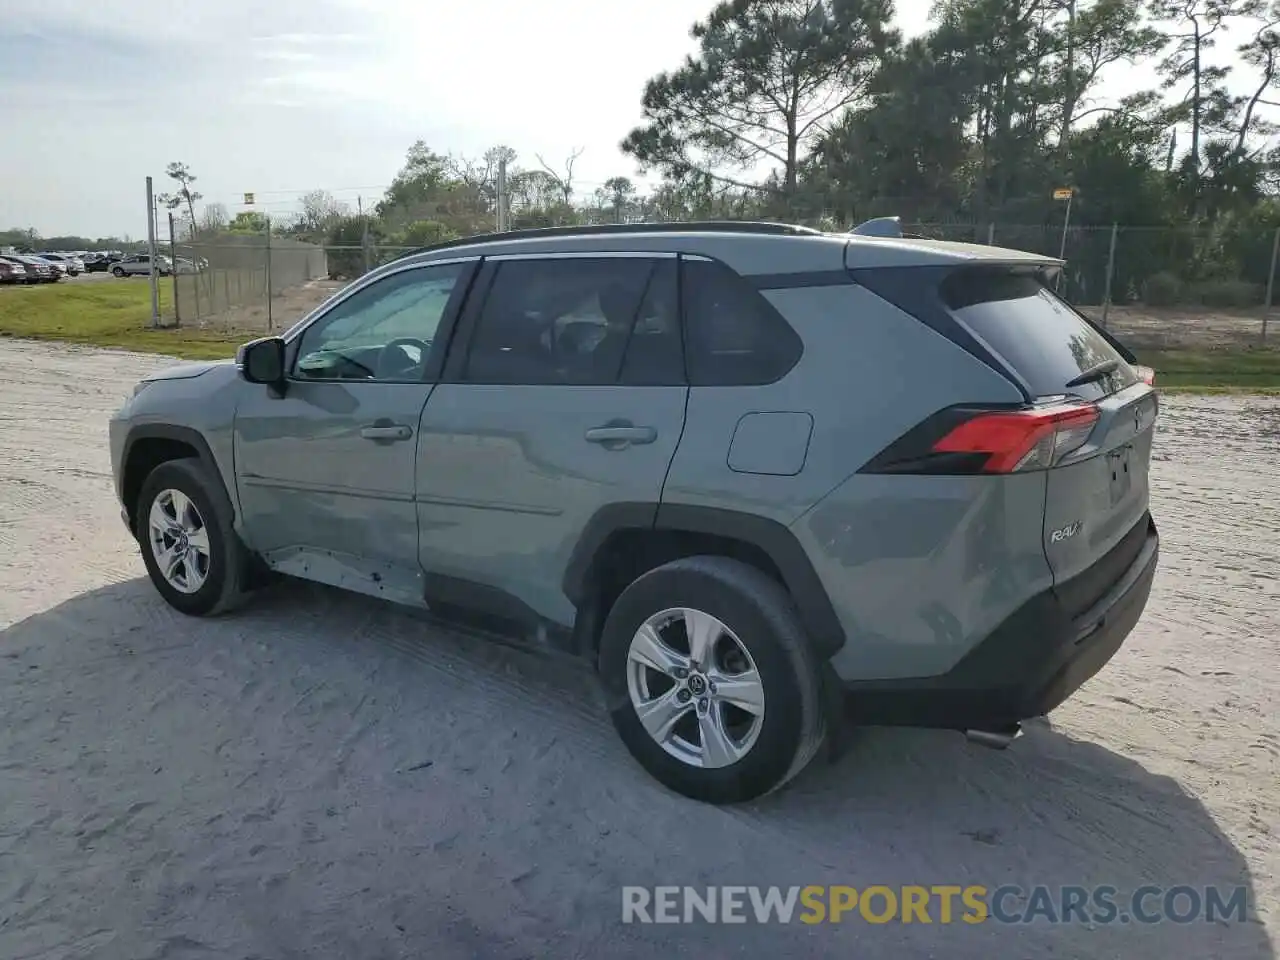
270,325
151,250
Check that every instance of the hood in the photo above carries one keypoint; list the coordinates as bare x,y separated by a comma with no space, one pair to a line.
185,371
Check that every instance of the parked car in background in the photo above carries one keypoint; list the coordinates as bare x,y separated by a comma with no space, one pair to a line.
73,264
101,261
11,271
140,265
185,265
38,271
59,268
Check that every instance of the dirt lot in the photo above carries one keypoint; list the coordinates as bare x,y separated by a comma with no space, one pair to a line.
1164,328
323,776
251,315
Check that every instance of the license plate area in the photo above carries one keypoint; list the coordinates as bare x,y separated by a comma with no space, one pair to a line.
1120,466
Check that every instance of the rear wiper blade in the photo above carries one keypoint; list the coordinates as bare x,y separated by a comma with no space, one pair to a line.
1095,373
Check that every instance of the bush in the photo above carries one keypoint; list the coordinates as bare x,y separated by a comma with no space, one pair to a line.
1162,289
423,233
345,247
1229,293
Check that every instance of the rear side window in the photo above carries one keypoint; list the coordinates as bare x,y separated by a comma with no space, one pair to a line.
569,321
733,335
1035,332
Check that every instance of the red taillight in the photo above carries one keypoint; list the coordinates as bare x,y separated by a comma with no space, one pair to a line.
1022,439
1146,374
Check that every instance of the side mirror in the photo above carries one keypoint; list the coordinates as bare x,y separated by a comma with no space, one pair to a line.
262,361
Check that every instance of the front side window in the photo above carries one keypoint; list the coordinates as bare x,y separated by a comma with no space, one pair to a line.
566,321
386,331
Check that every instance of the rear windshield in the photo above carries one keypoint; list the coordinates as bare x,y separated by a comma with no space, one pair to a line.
1035,332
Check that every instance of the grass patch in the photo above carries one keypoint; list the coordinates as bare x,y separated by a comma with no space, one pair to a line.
1215,370
107,314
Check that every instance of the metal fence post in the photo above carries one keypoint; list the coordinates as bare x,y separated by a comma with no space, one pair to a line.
269,318
196,283
1271,283
364,233
154,277
173,255
991,234
503,226
1111,269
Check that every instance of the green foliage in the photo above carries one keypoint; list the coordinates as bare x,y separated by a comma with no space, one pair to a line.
1162,289
248,221
184,196
423,233
350,243
1228,293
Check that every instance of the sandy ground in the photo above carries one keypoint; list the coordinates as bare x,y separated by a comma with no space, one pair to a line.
324,776
1164,328
252,317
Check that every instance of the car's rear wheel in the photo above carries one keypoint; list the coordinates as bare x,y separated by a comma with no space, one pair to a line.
713,685
192,553
117,272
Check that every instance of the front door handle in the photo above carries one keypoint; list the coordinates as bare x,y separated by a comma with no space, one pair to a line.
621,433
385,430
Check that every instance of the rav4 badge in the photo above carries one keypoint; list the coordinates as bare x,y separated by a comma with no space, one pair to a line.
1066,533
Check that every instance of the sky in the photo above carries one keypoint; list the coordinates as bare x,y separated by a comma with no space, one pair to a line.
279,97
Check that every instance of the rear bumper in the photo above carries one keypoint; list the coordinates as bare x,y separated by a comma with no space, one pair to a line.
1025,668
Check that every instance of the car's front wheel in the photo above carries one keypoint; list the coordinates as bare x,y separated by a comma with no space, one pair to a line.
117,272
712,683
192,553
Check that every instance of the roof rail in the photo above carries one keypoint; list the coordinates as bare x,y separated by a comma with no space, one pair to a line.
607,229
879,227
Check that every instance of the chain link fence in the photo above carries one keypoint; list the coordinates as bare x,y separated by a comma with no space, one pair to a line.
1185,278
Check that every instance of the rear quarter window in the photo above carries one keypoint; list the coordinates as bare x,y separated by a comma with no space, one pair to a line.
1033,330
733,335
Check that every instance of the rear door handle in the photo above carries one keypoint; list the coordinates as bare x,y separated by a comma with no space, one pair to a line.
619,433
385,430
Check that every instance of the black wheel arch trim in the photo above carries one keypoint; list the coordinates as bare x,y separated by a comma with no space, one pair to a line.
192,438
777,541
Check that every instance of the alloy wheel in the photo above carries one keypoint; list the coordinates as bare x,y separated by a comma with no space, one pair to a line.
179,541
695,688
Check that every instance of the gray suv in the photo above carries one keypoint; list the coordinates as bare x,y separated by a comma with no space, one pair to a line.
762,477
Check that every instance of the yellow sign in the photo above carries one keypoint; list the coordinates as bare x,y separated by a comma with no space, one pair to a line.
248,199
1062,193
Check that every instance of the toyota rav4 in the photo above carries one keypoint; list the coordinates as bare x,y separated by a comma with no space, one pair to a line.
762,477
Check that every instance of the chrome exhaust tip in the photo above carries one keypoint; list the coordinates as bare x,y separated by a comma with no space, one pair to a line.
995,739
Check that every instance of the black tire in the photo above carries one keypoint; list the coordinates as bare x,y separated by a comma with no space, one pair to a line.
224,585
117,272
763,617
